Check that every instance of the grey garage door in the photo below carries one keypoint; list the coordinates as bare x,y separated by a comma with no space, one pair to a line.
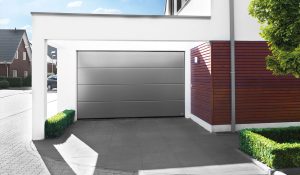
130,84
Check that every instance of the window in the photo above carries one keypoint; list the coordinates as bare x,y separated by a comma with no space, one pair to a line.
24,55
15,73
17,55
179,5
25,74
188,7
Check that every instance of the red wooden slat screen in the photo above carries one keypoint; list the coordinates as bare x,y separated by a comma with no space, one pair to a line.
260,96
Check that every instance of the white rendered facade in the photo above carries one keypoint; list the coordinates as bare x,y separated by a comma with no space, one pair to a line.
72,32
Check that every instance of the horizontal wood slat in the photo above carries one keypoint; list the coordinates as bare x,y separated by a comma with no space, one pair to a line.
261,97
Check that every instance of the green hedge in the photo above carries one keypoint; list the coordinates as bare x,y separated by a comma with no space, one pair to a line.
4,84
18,81
70,113
56,125
27,81
13,81
276,147
281,135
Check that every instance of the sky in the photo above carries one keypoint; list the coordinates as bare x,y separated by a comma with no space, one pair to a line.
16,13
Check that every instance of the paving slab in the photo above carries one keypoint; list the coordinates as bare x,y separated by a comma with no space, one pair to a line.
18,154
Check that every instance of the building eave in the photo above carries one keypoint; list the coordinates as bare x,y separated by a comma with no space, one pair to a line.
5,62
116,15
27,45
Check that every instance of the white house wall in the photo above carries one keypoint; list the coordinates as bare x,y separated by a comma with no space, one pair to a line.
137,28
67,80
95,27
246,27
149,28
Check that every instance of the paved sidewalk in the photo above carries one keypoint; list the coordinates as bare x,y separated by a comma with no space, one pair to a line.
6,93
18,154
14,101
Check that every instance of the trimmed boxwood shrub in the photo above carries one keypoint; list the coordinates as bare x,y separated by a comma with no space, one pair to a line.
276,147
71,114
4,84
18,81
281,135
55,126
14,81
27,81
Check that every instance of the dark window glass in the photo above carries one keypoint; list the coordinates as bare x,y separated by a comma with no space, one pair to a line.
179,5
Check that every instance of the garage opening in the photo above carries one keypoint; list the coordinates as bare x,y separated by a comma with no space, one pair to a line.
123,84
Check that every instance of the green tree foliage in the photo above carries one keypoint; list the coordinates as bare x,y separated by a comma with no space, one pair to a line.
280,27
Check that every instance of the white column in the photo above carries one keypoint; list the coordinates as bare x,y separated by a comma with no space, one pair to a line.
39,87
67,79
187,83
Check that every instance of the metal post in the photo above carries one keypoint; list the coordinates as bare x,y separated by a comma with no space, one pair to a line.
52,64
6,69
232,63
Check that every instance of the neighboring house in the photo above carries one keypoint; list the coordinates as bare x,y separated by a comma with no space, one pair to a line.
51,68
52,60
15,53
210,68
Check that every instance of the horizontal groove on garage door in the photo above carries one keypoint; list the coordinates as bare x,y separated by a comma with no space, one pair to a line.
130,84
129,76
130,109
130,92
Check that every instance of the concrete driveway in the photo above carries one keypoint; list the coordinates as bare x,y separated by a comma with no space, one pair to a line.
116,146
144,146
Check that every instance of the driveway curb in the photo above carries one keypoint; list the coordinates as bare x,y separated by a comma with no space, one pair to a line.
271,171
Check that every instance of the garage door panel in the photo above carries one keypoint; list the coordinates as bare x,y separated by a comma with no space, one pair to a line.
130,84
130,92
130,76
130,109
130,59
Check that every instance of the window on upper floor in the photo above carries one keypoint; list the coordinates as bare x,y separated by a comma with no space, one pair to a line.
188,8
24,55
180,4
17,54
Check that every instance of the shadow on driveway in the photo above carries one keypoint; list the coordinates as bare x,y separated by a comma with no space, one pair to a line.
126,146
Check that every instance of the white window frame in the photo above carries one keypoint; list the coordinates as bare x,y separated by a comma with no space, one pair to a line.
25,73
17,54
24,55
15,73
